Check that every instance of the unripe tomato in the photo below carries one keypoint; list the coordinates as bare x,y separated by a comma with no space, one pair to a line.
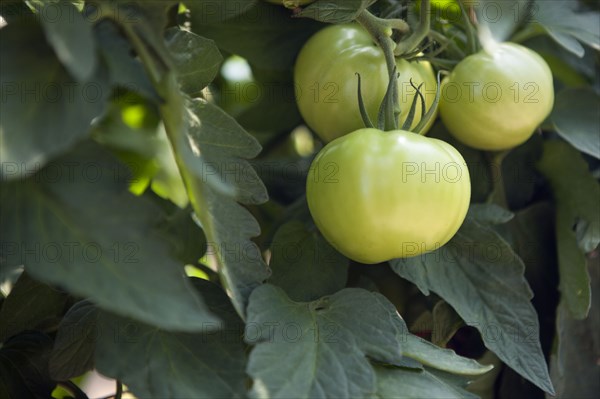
326,83
379,195
495,101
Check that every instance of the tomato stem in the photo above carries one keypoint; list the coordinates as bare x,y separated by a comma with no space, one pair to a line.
469,28
381,28
154,58
381,31
399,25
419,34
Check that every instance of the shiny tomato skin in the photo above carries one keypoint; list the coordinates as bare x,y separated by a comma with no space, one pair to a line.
326,83
379,195
495,101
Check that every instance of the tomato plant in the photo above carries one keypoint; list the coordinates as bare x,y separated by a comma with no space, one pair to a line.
202,199
377,195
495,99
326,83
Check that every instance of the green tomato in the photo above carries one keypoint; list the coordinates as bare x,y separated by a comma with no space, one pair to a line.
495,101
379,195
326,83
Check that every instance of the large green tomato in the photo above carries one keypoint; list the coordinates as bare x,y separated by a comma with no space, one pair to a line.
326,83
495,101
379,195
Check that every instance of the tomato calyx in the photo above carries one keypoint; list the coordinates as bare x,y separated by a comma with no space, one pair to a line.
387,123
413,106
361,106
431,111
381,31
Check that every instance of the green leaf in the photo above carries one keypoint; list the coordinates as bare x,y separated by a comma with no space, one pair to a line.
124,70
143,23
575,118
485,386
75,224
267,36
335,11
583,67
481,277
44,111
489,214
146,150
395,383
124,130
30,305
213,151
304,264
153,14
186,237
197,60
155,363
73,352
223,147
574,365
562,70
225,9
24,366
442,359
318,349
148,15
577,195
70,34
568,27
501,17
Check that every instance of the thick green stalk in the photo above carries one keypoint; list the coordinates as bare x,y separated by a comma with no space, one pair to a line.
412,42
381,31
